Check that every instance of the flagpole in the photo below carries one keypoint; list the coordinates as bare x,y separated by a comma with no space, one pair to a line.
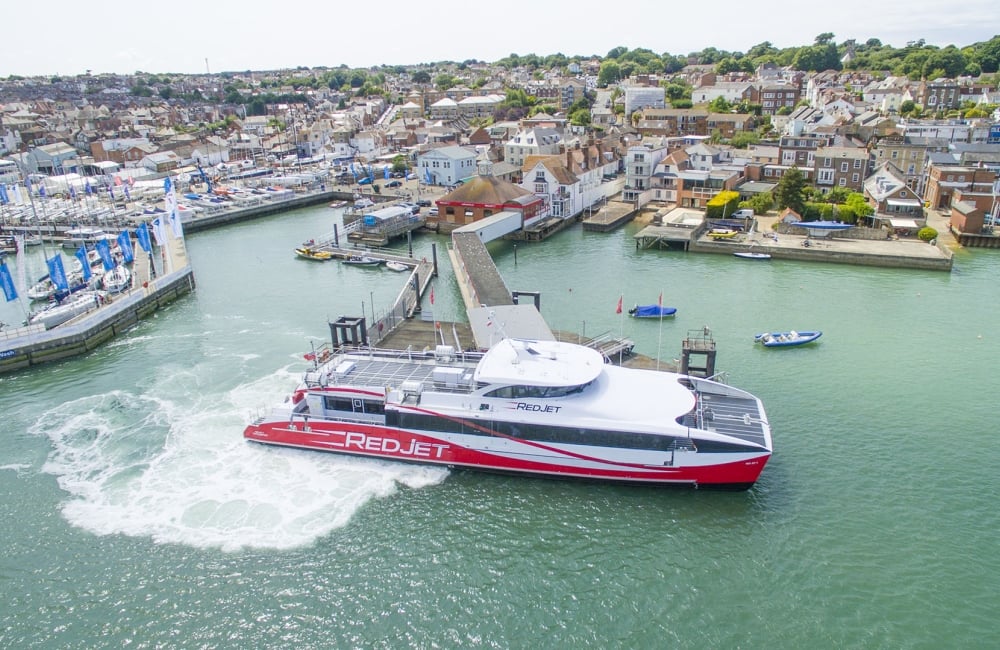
659,340
621,326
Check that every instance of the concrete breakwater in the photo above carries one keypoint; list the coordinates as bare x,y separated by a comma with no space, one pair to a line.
25,347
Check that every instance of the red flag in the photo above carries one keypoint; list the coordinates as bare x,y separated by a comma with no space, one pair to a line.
432,295
618,309
659,301
309,356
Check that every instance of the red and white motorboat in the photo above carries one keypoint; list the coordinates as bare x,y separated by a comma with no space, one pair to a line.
540,408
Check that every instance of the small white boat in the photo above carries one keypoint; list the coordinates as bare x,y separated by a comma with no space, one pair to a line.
117,279
393,265
44,289
58,313
363,260
76,237
752,255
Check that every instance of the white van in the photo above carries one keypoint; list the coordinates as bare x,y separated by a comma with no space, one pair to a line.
745,213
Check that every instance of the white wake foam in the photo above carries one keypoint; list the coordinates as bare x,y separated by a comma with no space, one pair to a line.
179,471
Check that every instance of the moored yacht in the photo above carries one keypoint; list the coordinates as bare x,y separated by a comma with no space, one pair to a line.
540,408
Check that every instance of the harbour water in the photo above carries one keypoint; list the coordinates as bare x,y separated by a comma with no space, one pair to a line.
134,514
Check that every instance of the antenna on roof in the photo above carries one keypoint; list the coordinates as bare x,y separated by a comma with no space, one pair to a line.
207,71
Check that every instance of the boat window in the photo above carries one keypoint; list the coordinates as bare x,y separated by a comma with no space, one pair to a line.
547,433
372,407
535,392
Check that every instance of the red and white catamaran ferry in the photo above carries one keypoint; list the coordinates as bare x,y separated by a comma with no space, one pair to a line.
540,408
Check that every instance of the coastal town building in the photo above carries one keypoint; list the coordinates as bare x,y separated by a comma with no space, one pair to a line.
908,154
640,97
843,167
446,165
482,196
945,181
532,141
897,207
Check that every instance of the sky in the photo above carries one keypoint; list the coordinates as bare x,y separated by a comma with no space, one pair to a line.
193,38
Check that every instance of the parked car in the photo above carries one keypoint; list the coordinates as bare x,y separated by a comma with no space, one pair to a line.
398,175
365,181
393,184
433,212
424,203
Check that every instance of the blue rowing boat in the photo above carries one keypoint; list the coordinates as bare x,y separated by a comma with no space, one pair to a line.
786,339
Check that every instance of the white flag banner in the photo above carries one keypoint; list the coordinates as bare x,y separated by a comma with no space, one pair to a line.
22,289
170,201
158,233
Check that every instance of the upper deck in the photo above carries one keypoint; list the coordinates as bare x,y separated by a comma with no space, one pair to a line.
710,407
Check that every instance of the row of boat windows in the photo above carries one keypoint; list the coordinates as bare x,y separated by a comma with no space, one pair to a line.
524,431
522,392
553,434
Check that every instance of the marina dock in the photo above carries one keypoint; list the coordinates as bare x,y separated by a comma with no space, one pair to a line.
31,345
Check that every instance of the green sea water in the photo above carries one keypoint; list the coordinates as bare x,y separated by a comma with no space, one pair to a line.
133,514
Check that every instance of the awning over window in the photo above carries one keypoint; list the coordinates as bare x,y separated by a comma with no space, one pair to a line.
904,202
903,223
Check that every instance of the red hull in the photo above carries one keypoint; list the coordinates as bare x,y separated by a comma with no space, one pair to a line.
382,442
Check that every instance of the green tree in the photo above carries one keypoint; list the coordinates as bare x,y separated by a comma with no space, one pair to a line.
445,81
580,117
676,90
609,73
761,203
421,77
987,54
744,139
790,191
720,105
857,204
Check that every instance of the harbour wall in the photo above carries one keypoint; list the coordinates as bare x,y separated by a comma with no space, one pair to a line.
826,253
31,346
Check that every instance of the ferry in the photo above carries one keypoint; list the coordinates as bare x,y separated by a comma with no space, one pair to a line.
537,408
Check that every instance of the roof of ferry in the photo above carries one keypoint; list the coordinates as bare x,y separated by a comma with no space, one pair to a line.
539,363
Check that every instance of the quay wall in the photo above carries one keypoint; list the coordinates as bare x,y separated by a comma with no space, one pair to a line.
30,346
942,262
263,209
